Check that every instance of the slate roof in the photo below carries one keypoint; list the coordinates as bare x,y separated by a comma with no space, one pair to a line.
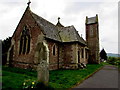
48,28
91,20
70,34
58,33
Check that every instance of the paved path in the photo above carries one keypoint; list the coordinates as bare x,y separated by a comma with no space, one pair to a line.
107,77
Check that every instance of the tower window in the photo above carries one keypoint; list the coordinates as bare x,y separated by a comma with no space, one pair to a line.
54,50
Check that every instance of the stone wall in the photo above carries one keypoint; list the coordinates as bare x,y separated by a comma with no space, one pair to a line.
93,42
53,54
69,56
82,57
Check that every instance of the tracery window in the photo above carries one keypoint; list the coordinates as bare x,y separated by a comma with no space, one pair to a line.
24,41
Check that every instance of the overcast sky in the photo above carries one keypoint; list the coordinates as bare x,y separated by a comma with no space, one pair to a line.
71,12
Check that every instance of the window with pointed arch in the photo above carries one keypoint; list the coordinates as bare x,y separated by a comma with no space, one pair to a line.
82,52
54,49
24,41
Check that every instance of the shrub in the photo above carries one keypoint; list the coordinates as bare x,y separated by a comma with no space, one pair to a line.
114,60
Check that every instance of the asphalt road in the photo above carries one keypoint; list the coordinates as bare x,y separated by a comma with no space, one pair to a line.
107,77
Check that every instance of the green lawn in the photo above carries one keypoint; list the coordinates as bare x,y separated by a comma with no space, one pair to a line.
14,77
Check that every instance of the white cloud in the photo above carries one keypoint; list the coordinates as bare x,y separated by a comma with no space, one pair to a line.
72,12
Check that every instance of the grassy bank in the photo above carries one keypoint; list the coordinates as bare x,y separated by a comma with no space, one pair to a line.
15,77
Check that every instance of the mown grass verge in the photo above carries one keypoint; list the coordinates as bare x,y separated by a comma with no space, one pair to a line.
14,77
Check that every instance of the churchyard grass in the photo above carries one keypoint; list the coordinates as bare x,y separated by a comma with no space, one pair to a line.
0,75
69,78
15,77
13,80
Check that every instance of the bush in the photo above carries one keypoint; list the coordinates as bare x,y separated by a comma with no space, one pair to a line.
114,60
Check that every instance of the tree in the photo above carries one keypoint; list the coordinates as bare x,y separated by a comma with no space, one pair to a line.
103,55
5,47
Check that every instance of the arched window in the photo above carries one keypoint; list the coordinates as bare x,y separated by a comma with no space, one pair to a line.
24,41
21,44
54,50
24,45
28,48
82,52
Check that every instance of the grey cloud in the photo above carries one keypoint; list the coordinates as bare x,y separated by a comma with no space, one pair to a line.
74,14
78,7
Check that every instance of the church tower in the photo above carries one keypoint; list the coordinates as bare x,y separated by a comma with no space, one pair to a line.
92,39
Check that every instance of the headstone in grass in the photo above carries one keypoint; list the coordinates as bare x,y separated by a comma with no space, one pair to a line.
43,72
43,66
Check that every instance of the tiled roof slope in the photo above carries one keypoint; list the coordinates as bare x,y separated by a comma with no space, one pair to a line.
69,34
48,28
61,34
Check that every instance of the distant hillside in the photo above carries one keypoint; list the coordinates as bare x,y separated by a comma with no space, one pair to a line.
113,55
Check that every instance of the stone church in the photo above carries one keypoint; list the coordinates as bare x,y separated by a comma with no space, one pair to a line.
37,39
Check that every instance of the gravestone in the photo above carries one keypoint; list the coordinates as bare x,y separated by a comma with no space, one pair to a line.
43,66
43,72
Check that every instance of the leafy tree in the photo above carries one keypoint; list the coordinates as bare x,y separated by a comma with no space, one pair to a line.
103,54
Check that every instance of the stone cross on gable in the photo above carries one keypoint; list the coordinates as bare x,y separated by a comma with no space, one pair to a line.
29,2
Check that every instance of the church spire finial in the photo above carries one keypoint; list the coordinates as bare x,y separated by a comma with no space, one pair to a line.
29,3
58,19
59,24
